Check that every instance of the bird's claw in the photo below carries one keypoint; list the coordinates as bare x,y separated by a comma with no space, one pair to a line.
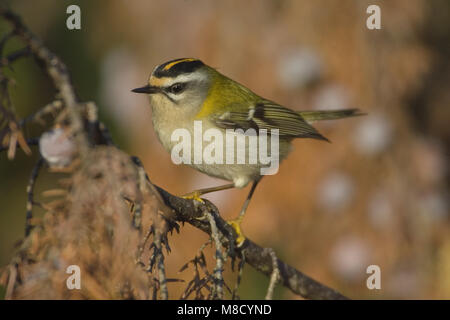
236,225
193,196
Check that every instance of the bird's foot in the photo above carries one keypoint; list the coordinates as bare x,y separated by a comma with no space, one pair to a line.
236,225
195,195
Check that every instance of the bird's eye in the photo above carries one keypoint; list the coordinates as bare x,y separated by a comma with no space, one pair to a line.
177,87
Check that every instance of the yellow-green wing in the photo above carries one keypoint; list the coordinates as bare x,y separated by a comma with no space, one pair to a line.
268,115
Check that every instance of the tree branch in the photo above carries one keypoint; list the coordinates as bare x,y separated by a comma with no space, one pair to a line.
260,258
57,71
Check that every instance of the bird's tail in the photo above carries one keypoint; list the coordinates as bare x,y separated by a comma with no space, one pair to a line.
313,116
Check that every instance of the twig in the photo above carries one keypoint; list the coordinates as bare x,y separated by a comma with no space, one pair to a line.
51,107
106,134
161,268
274,276
12,57
98,133
155,288
234,296
159,229
142,247
30,194
11,281
11,126
218,270
29,141
142,182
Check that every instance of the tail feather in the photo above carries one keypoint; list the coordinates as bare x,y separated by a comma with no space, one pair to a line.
319,115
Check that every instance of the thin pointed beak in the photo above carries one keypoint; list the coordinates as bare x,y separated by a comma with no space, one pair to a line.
146,89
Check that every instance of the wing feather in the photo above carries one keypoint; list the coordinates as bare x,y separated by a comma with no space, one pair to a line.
268,115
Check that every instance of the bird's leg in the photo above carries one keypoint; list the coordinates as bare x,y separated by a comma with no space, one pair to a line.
236,223
195,195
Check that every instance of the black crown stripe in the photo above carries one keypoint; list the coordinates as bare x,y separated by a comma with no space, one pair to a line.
176,67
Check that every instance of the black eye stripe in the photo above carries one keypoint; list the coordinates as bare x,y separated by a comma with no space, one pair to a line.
176,88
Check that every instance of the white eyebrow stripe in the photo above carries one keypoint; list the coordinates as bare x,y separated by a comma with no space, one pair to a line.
195,76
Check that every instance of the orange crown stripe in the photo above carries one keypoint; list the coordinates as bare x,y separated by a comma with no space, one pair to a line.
170,65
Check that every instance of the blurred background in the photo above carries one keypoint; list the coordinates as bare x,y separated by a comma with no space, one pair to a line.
377,195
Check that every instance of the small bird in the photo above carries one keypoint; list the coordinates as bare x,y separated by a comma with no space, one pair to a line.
186,90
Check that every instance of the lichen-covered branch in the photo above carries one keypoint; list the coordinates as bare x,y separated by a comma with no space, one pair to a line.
258,257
